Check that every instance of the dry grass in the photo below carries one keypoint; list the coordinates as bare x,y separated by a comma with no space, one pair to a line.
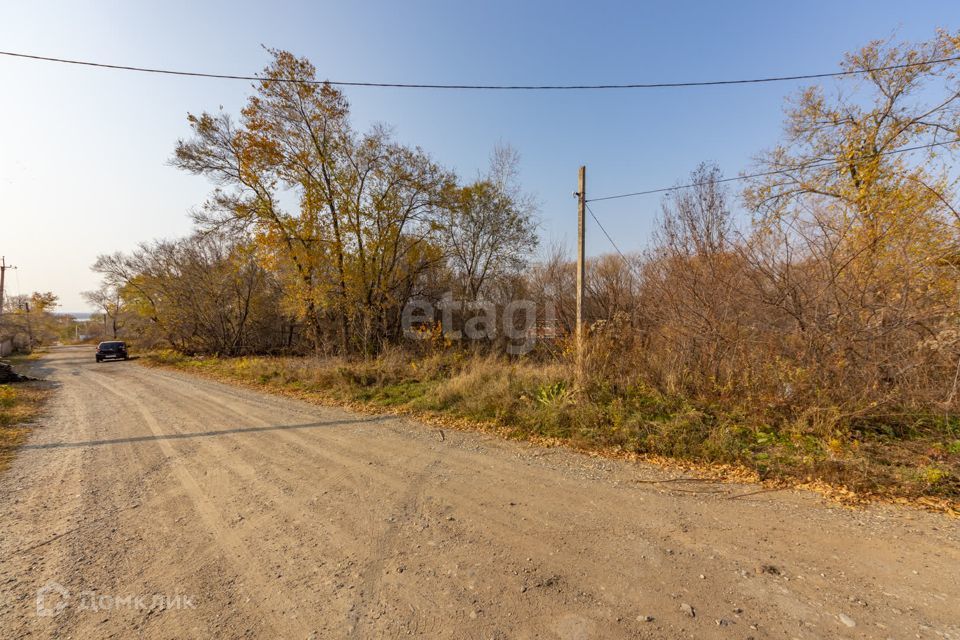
20,404
536,401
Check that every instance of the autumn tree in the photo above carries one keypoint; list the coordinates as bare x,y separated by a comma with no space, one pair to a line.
857,225
488,228
843,150
358,235
107,300
694,289
204,293
31,318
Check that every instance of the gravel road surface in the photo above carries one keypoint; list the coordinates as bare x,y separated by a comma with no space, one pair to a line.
151,504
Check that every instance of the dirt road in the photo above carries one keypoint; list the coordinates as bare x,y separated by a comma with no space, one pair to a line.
152,504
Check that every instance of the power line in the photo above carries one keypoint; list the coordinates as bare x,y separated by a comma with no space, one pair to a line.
491,87
756,175
600,224
809,165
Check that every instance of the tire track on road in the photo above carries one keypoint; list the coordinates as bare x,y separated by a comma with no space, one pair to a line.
237,554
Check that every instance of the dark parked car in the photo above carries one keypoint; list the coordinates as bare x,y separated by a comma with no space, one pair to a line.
113,349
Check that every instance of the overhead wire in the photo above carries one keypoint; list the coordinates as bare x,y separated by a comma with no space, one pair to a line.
742,177
544,87
481,87
600,224
800,167
626,261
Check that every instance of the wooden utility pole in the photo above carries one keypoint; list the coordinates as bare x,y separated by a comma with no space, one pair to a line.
581,260
3,272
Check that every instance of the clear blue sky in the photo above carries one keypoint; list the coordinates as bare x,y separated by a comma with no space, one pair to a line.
83,151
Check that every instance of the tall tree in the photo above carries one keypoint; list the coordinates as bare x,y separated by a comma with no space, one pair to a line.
364,203
107,299
842,151
489,229
858,224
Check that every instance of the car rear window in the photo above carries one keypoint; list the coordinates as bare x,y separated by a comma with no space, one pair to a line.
111,345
